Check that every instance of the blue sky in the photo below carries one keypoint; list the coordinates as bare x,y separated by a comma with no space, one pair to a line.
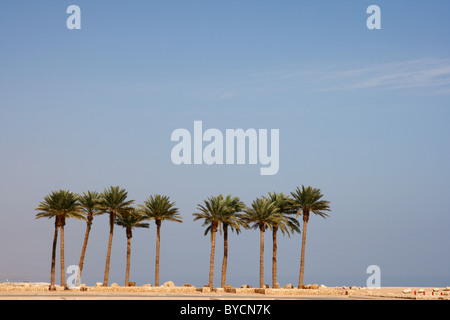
363,115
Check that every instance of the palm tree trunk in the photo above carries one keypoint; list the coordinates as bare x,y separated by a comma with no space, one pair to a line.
225,256
302,259
83,251
52,273
112,218
211,260
63,271
127,274
158,239
261,258
274,257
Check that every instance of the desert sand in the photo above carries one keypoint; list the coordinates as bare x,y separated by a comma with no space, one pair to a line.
9,290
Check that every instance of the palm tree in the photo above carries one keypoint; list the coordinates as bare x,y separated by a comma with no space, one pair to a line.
60,205
285,206
262,214
90,207
159,208
113,200
130,218
211,212
230,218
308,200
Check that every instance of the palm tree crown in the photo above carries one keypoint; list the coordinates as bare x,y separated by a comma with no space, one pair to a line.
60,205
262,214
113,199
90,204
211,212
131,218
308,200
229,214
285,206
159,207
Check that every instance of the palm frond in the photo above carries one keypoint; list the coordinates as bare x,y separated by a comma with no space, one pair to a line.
308,200
114,199
60,203
159,207
262,213
90,203
130,217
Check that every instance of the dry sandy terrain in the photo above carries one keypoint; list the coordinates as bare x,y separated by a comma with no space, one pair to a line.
170,291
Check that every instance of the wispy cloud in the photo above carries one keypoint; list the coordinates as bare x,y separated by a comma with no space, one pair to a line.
226,94
421,73
430,74
393,75
213,93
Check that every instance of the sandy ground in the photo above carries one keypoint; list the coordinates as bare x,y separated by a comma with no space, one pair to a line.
40,291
